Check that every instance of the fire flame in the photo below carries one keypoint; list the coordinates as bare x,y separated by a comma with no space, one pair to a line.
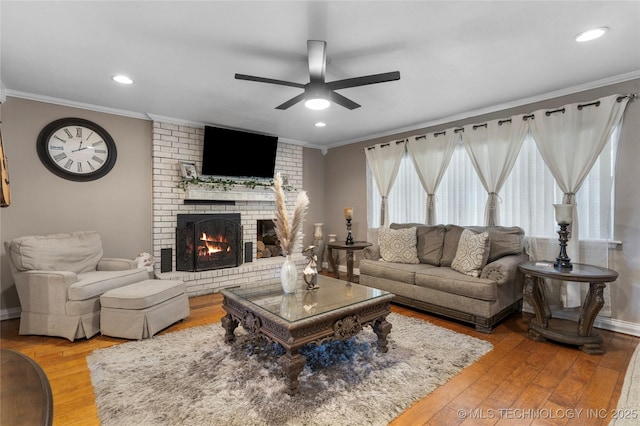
215,244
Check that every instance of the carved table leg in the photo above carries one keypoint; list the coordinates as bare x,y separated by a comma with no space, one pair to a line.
535,295
350,265
332,261
229,324
592,305
292,364
382,328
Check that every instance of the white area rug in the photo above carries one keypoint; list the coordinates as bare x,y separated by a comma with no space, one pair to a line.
192,377
628,410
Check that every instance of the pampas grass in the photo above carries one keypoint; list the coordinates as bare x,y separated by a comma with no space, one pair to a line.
288,233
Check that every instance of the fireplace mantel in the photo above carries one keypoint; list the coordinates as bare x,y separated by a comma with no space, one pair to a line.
258,194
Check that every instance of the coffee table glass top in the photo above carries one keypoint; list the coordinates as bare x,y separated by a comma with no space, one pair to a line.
332,294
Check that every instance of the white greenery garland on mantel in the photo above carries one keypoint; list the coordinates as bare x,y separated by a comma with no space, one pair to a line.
225,184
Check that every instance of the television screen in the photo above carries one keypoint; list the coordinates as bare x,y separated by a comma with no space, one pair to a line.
235,153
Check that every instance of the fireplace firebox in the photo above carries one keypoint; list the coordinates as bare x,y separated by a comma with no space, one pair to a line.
208,241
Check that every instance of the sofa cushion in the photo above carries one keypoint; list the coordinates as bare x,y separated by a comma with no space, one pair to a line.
94,284
75,252
401,272
472,253
450,247
398,245
449,281
505,240
429,241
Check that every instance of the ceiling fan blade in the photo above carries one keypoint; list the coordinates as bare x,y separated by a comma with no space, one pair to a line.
268,80
317,56
291,102
341,100
363,81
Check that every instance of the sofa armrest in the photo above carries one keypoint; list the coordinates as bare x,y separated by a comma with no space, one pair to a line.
504,269
116,264
44,291
371,252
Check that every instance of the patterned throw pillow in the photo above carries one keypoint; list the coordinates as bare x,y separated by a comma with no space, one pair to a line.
472,253
398,245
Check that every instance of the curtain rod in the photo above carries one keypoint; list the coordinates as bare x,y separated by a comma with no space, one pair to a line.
385,144
620,98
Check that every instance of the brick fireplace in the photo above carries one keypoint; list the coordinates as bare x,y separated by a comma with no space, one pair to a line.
174,143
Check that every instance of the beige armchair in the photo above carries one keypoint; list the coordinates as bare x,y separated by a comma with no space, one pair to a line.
60,278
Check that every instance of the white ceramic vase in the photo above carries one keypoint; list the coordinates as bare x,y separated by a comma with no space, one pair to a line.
288,276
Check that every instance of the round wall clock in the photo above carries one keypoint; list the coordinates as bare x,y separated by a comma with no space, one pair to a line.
76,149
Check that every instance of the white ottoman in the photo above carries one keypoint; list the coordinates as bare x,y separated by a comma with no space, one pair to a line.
140,310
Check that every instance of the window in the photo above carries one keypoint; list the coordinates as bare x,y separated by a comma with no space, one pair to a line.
526,200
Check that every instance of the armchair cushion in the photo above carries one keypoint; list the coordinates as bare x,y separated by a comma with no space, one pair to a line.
76,252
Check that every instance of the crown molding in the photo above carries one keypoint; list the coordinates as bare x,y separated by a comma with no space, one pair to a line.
74,104
621,78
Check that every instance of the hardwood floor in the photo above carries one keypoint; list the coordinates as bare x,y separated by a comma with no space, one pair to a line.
520,382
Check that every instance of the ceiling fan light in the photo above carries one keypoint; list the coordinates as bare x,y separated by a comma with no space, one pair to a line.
317,104
591,34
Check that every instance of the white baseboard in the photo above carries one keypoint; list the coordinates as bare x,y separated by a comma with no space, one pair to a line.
10,313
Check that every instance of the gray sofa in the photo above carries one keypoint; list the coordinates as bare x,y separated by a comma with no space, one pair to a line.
433,283
60,278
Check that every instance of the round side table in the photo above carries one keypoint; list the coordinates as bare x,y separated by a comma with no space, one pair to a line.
350,248
543,326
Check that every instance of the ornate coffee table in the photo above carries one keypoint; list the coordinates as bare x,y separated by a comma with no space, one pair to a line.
336,311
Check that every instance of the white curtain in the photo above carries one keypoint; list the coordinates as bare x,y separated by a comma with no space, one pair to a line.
430,155
493,148
570,140
384,161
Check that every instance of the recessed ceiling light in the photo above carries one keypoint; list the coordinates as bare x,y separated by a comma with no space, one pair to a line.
591,34
122,79
320,124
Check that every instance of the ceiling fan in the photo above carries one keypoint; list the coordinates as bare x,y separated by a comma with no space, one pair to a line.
317,93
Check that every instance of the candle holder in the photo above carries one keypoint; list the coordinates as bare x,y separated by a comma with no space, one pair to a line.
564,214
348,215
349,240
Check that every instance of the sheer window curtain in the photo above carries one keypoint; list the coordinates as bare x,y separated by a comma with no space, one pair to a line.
570,140
493,148
383,161
430,155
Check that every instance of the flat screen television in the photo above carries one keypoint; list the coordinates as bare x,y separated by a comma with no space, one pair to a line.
237,153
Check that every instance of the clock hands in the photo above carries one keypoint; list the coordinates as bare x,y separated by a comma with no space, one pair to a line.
80,148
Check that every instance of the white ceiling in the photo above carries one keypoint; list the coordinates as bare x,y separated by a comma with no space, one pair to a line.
454,58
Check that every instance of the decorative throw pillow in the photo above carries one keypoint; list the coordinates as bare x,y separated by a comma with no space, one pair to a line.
472,253
398,245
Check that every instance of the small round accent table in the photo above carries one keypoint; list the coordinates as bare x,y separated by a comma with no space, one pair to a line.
350,248
543,326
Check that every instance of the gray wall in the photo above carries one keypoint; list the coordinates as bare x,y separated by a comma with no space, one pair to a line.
118,206
345,180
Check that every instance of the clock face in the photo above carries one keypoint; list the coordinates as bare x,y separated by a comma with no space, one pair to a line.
76,149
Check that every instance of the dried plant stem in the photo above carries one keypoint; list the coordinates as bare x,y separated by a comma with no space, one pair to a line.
287,233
